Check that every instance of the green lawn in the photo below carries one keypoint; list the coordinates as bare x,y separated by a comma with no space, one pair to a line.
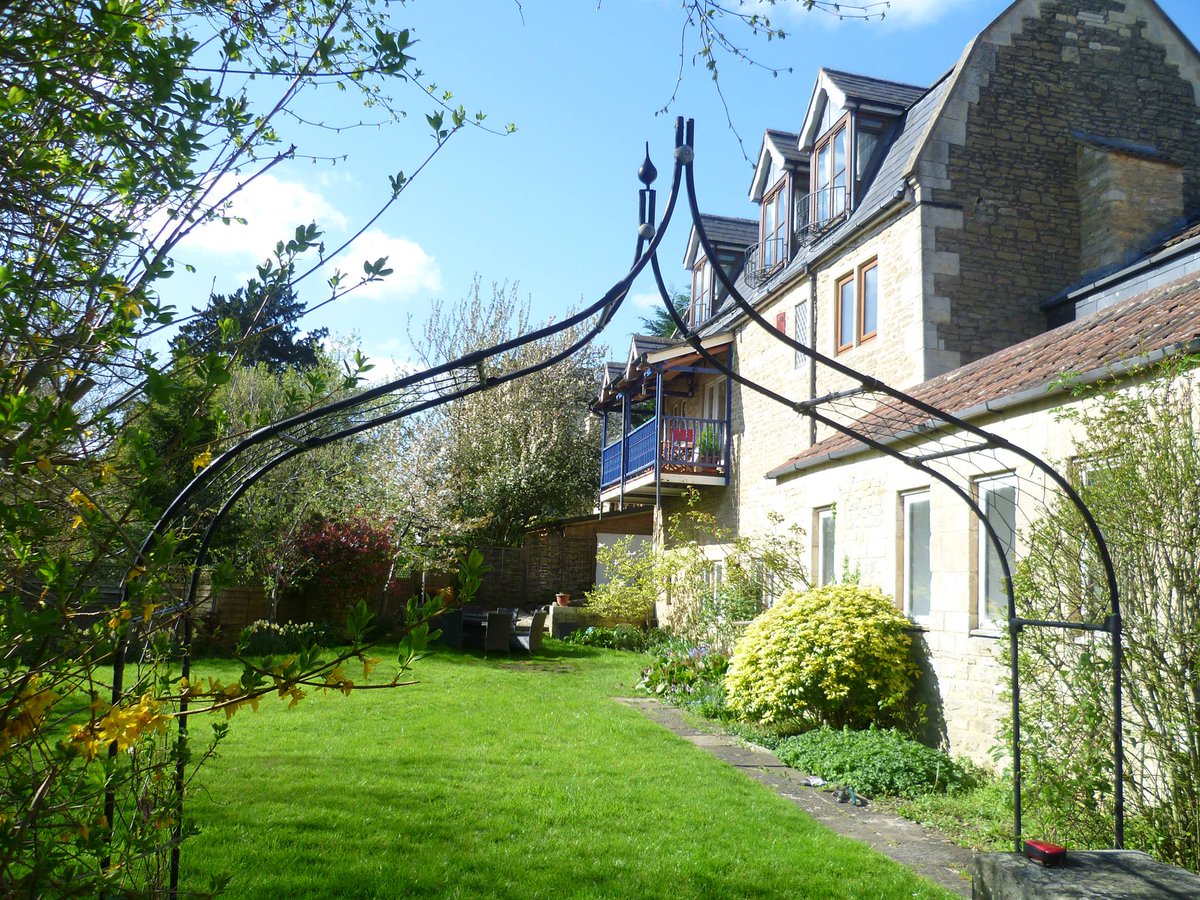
504,778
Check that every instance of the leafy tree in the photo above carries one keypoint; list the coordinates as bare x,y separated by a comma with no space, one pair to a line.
255,325
511,457
659,322
1138,465
336,482
126,125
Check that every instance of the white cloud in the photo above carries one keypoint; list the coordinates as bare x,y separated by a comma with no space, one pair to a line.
645,300
415,272
272,209
900,13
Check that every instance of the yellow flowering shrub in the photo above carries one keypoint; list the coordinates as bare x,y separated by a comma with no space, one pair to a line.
837,655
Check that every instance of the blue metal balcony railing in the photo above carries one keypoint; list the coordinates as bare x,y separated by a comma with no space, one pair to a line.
682,444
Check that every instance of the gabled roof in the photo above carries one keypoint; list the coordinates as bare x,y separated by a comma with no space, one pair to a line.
865,88
780,150
612,372
726,232
786,144
639,346
887,188
1162,320
843,89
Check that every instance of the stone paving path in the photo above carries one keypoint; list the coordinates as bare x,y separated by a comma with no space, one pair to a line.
921,849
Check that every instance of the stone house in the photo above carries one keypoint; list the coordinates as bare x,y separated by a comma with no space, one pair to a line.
1027,214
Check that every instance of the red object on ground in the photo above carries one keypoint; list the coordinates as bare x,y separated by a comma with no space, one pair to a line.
1046,853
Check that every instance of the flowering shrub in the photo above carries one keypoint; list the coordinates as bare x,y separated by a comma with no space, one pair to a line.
347,561
262,638
838,655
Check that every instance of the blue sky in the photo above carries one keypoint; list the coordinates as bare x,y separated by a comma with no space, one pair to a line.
554,205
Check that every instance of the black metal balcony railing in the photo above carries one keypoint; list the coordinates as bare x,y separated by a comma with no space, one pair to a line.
814,215
680,442
818,213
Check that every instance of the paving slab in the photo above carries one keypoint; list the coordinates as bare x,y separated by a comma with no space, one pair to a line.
1086,875
921,849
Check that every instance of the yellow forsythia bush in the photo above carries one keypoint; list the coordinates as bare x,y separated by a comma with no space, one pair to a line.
839,655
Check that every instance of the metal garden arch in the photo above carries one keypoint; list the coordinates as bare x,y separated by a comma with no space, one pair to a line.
895,419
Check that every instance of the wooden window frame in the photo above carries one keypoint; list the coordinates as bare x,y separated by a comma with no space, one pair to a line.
861,301
841,126
844,342
850,334
777,238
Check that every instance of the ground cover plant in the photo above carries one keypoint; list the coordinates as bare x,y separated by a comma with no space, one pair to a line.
876,761
618,637
505,777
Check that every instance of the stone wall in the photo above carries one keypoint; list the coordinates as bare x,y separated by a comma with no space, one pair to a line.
1005,154
562,558
1125,198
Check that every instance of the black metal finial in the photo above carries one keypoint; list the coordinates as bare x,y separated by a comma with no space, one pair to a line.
646,172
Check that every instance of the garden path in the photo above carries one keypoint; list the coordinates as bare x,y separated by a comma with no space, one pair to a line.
921,849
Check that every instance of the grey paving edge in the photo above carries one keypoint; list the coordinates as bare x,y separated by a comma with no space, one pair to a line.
921,849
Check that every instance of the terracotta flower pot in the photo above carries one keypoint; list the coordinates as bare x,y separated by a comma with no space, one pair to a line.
563,599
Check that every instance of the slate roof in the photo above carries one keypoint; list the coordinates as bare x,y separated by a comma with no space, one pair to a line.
787,144
642,344
876,90
1159,319
881,192
730,231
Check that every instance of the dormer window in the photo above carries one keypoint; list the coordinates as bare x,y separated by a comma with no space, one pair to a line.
829,173
703,292
775,227
707,291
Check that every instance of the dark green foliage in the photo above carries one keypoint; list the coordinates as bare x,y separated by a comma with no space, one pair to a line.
659,323
875,761
618,637
257,325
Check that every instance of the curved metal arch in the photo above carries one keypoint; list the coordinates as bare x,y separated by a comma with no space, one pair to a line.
931,421
237,469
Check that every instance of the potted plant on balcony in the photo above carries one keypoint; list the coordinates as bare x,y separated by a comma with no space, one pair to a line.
708,446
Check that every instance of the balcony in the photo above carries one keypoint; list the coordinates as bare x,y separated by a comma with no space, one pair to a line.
818,214
815,216
666,454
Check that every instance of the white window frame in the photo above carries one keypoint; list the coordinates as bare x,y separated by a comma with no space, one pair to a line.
907,500
826,513
983,490
800,330
714,399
